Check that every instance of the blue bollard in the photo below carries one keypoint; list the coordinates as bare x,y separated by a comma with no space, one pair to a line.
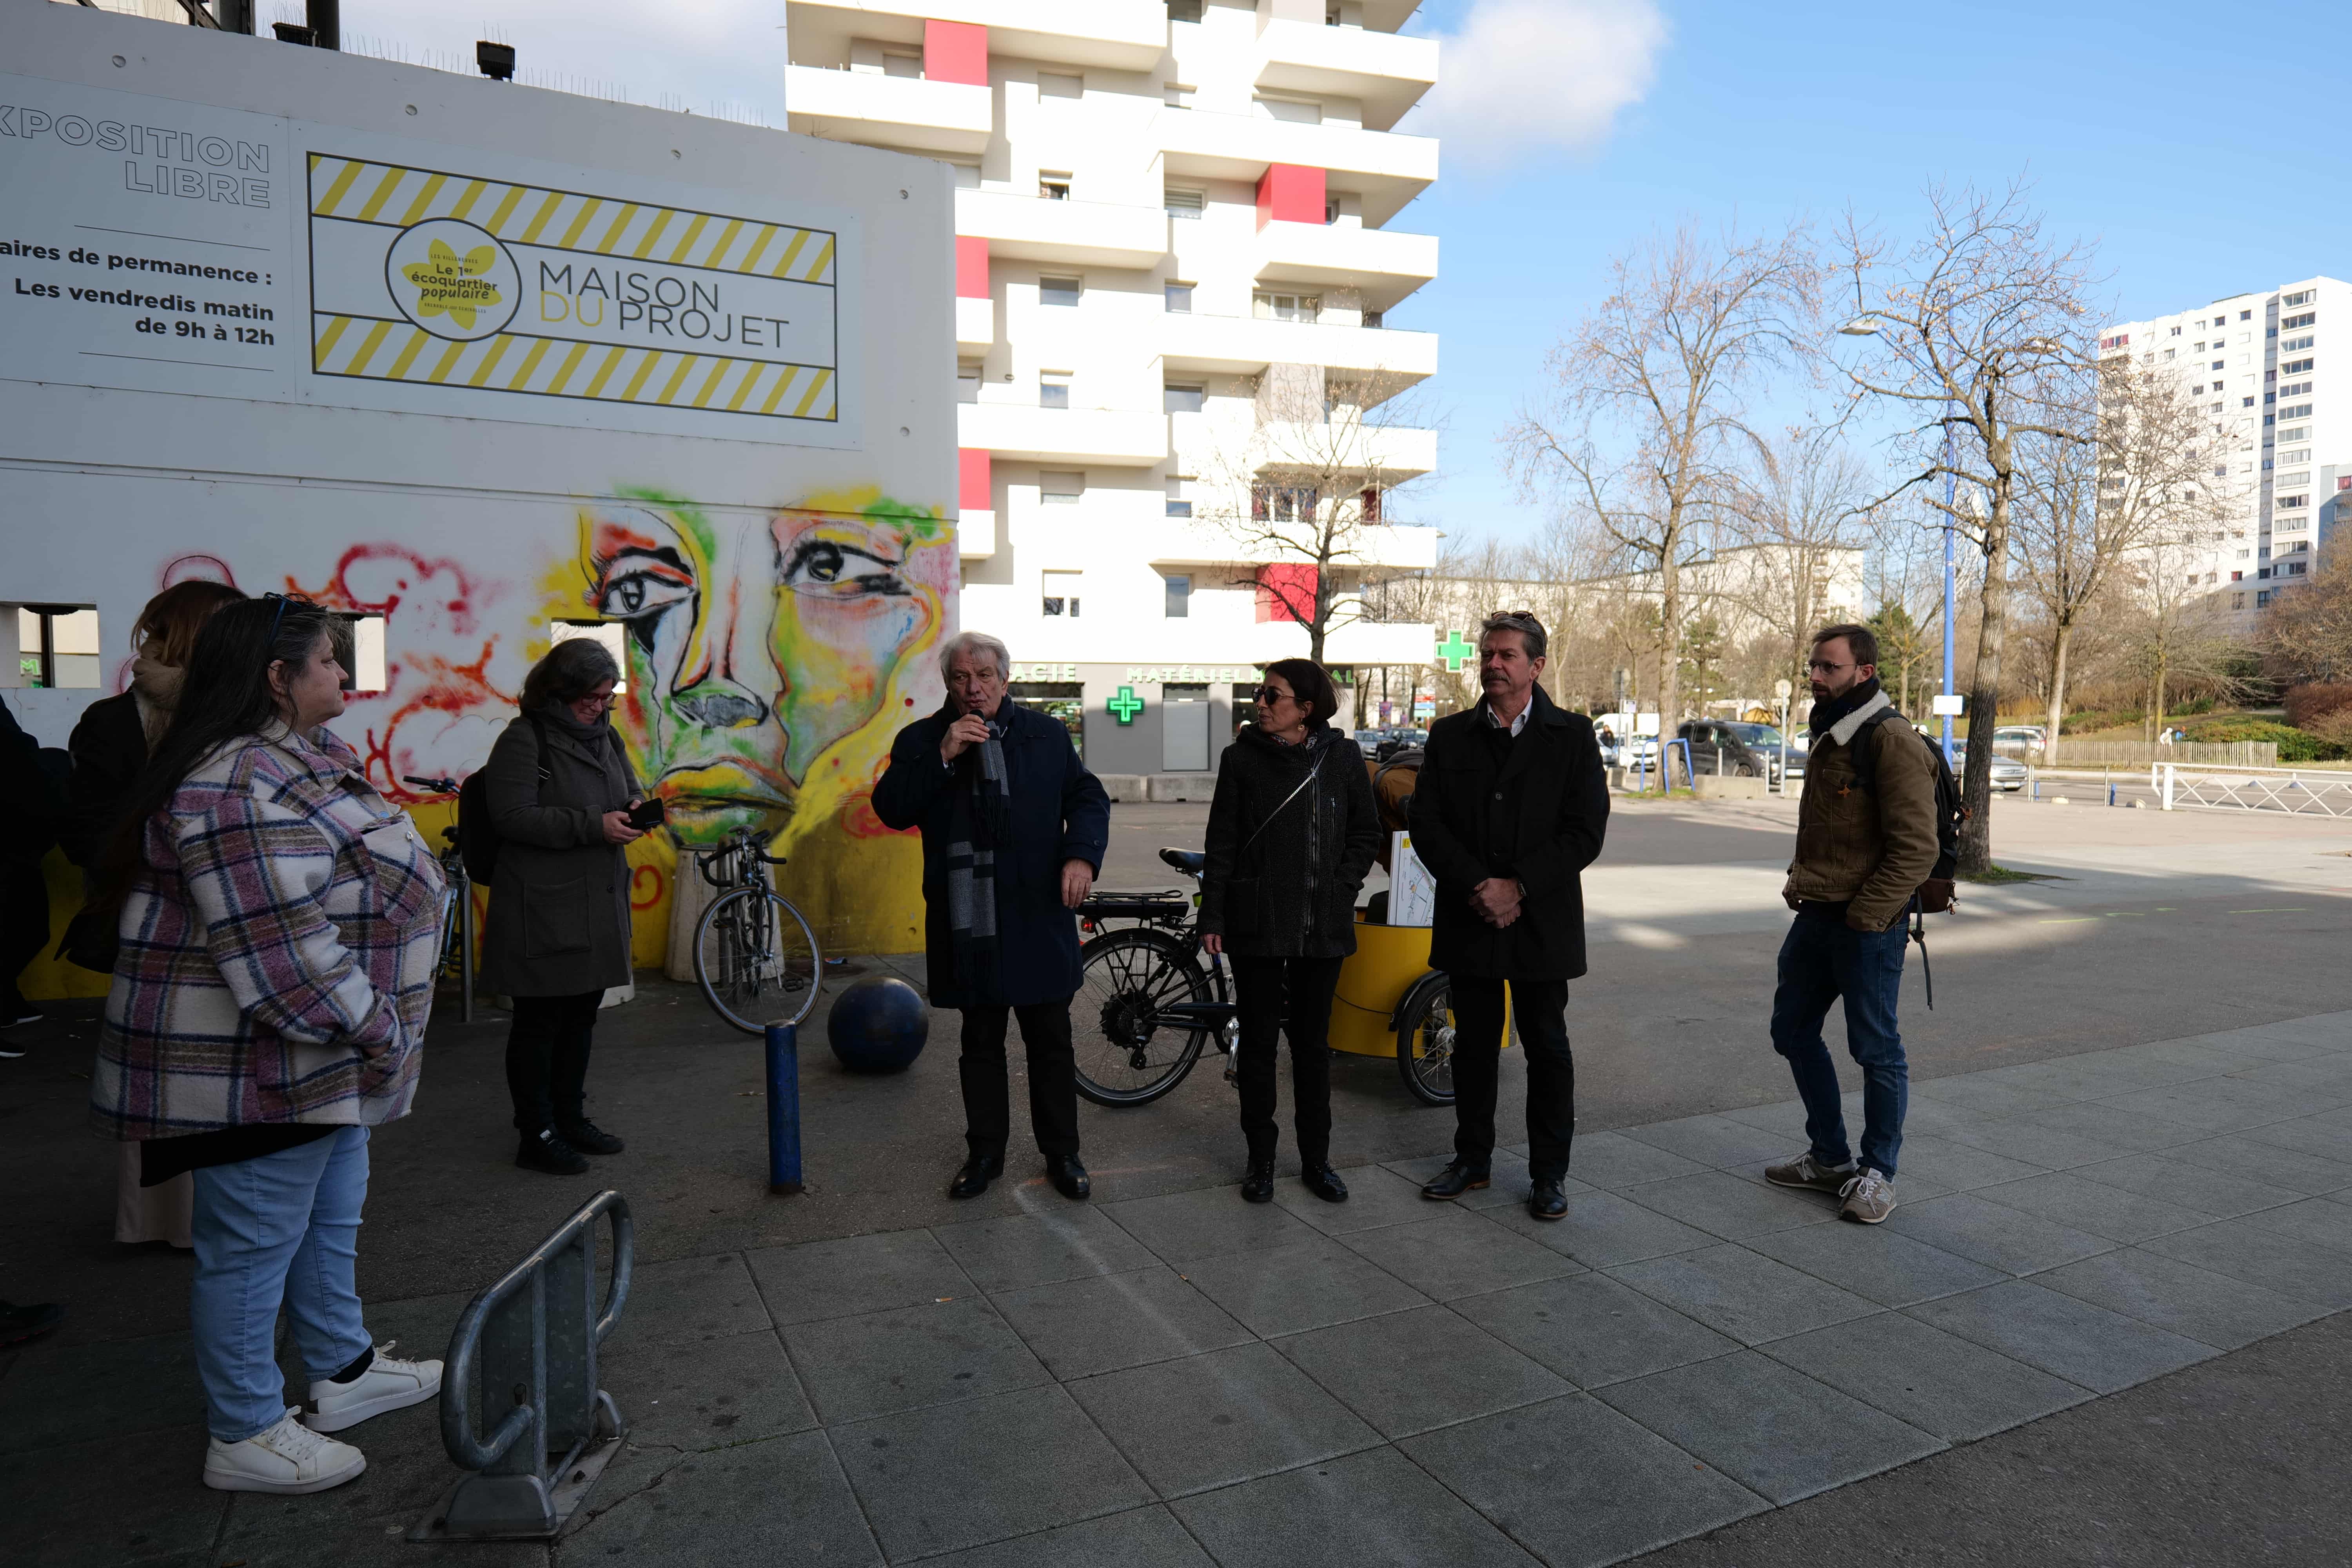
784,1108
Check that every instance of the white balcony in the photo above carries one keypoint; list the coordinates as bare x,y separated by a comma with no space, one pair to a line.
1384,267
1242,345
975,325
1380,642
1204,542
975,534
1115,35
1113,438
1386,169
1091,234
1387,72
887,110
1202,445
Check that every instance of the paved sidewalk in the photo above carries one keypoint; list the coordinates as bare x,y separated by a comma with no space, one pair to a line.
1184,1379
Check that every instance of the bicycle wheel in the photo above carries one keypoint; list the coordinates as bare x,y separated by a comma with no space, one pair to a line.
1125,1056
1424,1041
757,960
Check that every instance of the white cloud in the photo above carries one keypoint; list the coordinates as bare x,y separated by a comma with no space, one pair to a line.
1530,77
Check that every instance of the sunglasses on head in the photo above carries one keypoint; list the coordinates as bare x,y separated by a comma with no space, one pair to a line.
278,618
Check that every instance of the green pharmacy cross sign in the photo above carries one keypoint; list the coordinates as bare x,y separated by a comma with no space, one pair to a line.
1126,705
1456,651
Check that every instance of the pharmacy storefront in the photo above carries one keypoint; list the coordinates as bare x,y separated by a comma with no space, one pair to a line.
1142,718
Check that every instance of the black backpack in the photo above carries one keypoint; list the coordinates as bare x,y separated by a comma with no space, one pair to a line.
477,835
1936,893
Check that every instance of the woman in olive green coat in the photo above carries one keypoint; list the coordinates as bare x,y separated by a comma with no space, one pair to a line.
559,789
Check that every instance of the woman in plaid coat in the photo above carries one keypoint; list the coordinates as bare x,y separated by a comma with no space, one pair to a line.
280,926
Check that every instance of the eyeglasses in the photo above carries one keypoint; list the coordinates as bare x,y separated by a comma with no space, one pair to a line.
279,619
1824,666
1270,694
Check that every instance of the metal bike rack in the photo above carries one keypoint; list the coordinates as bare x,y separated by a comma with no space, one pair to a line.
527,1347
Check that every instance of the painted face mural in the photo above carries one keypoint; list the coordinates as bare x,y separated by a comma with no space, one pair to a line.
757,643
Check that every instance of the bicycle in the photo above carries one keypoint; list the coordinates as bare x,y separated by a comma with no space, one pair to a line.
1147,1004
457,907
754,956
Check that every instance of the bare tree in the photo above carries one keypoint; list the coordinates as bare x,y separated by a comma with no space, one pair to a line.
1641,431
1806,503
2308,635
2175,633
1976,329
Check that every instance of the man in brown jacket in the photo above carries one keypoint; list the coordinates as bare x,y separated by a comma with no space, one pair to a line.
1866,841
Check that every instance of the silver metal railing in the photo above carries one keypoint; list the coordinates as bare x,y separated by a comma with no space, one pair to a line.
2314,793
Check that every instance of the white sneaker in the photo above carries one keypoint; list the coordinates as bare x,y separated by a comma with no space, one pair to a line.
288,1458
1869,1197
388,1383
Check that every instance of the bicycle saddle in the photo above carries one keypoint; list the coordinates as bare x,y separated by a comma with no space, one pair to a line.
1188,861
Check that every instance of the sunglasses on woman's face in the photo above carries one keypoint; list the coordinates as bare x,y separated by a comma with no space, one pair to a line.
1270,694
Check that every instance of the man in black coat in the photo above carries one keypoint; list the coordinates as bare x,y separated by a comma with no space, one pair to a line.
1013,833
1510,807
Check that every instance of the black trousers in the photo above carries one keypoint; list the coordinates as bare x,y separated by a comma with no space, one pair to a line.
1542,1014
547,1059
1053,1079
24,925
1292,996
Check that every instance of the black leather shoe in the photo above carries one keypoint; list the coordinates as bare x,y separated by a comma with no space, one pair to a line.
1069,1177
977,1173
1454,1181
1548,1201
1258,1182
547,1154
1324,1182
590,1139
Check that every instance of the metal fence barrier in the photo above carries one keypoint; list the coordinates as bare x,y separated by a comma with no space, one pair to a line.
525,1347
2303,793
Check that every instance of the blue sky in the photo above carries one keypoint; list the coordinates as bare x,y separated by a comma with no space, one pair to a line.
2205,149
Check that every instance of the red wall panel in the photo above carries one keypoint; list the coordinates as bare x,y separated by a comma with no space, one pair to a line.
972,267
1289,193
973,491
955,51
1283,589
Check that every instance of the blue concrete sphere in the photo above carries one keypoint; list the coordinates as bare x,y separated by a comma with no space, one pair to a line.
878,1026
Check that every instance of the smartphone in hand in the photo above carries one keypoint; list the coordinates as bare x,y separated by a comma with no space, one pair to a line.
648,815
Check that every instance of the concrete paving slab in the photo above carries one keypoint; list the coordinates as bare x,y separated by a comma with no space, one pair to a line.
1460,1254
1969,1092
2016,1138
1994,1233
871,1365
1875,1263
1931,1165
2180,1297
2328,1075
2095,1208
784,1499
2327,1139
1081,1327
1591,1329
2101,1350
68,1506
1208,1223
1784,1119
2329,1031
1216,1419
68,1393
2285,1042
857,1275
1768,1426
1414,1371
2267,1163
2217,1192
1290,1290
1507,1173
2215,1104
2100,1122
2320,1275
1939,1383
1744,1294
2318,1221
1732,1206
1376,1196
689,1298
1711,1141
1578,1483
955,1476
1375,1507
1612,1160
1140,1538
707,1394
1066,1241
1602,1230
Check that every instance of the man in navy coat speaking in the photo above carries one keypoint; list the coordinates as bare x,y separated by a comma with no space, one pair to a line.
1013,832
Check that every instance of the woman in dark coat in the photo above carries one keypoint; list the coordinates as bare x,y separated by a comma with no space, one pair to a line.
560,790
1292,831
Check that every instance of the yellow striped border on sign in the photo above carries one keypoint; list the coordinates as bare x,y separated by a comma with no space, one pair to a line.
359,190
560,367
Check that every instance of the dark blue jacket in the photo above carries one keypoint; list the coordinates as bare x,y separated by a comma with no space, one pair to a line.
1059,813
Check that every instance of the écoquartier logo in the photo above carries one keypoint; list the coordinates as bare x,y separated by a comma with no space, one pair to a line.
453,279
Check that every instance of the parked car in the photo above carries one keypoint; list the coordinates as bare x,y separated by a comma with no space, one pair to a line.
1719,747
2008,773
1396,741
2020,740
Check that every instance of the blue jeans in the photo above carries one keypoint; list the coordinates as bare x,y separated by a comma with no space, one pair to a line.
282,1227
1820,961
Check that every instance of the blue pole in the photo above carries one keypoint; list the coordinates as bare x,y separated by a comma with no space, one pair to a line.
784,1108
1952,481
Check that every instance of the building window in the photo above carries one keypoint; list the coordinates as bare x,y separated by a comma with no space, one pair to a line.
366,664
1177,504
1060,487
2245,315
2237,601
2302,297
1051,84
2292,323
1368,503
1183,10
1180,398
1181,202
57,647
1283,503
1054,389
1180,597
1330,210
1179,297
2261,598
1059,290
967,384
1053,187
1287,306
1061,595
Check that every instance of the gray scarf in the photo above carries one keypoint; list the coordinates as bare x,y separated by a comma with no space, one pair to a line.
980,818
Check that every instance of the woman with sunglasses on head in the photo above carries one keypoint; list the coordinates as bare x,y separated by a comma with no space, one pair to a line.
279,929
1292,831
561,794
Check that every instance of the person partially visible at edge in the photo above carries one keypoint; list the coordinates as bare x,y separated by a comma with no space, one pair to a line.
28,803
1013,829
1292,832
1510,807
1861,854
279,928
111,745
560,790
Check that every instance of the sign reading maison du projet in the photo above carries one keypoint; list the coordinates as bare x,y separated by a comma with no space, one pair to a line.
174,247
1147,675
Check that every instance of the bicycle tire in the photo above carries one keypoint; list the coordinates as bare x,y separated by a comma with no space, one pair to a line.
1424,1042
757,960
1122,1061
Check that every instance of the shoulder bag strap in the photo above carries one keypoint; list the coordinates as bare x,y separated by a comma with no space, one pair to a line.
1277,811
